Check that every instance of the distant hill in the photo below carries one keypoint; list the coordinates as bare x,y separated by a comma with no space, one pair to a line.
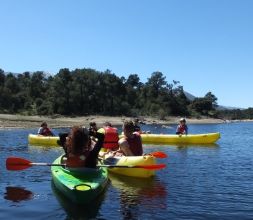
191,97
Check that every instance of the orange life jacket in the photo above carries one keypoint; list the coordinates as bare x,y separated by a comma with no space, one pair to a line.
111,138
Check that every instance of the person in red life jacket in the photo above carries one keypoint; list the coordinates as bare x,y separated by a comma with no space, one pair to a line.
130,144
81,150
111,137
182,127
44,130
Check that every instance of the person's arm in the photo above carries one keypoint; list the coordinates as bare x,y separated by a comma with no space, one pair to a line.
39,131
91,160
124,147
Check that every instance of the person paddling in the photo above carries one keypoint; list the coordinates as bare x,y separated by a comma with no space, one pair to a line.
44,130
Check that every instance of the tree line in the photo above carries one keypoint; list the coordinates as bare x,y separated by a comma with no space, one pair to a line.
87,91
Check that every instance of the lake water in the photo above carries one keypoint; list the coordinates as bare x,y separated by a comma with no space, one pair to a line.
200,182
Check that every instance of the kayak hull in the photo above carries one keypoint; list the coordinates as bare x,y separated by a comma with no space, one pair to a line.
34,139
79,185
208,138
132,160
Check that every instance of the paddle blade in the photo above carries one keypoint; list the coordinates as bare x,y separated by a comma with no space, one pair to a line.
159,154
16,163
151,167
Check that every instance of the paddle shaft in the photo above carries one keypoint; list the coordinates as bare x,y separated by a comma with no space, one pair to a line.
15,163
107,166
46,164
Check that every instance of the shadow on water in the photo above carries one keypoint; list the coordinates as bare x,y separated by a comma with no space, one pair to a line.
17,194
138,194
78,211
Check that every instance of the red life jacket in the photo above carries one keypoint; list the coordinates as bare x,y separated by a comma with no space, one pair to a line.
46,132
135,144
111,138
77,160
182,128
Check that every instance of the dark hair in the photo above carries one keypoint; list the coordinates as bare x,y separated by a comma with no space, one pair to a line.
79,139
107,124
129,126
43,124
93,124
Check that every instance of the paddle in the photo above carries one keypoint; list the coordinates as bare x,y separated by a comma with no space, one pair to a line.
158,154
16,163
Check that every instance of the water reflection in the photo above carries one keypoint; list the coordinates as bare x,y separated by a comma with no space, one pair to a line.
138,194
17,194
78,211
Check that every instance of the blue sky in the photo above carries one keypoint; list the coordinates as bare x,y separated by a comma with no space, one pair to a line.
207,45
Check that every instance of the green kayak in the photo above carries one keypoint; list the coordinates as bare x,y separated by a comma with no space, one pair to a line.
80,185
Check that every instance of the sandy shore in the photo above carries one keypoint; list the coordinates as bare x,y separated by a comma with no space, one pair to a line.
19,121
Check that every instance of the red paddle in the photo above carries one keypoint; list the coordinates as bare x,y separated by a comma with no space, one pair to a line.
16,163
158,154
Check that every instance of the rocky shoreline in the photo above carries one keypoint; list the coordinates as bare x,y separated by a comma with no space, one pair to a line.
8,121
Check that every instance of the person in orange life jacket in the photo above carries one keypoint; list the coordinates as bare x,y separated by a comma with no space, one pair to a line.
44,130
111,137
130,144
81,150
182,127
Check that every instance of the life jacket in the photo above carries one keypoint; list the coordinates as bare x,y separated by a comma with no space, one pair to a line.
135,144
46,132
182,129
111,138
77,160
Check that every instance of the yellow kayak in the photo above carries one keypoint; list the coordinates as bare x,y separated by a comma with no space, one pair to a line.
34,139
208,138
131,160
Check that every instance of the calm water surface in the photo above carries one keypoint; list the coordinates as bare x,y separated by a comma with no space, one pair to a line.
200,182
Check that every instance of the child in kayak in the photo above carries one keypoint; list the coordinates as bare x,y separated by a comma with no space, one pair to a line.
81,150
44,130
182,127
